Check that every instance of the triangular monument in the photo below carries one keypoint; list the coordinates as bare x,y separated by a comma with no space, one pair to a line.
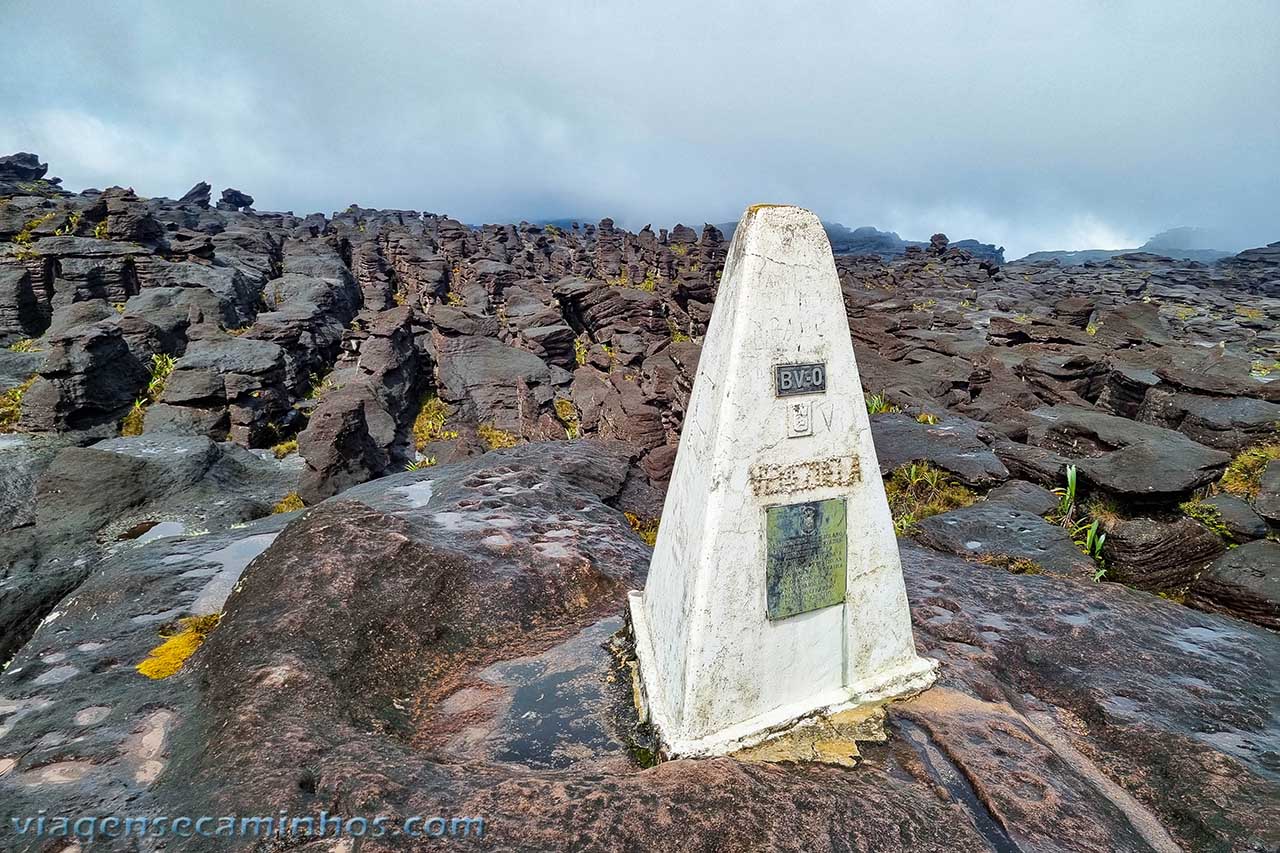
775,591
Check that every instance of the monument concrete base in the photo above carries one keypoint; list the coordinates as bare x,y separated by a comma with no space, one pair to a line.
907,680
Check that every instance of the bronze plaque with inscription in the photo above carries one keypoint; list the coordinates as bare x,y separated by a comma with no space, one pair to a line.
806,557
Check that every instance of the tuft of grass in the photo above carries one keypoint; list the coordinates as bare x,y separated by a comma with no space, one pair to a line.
284,448
645,528
623,279
1243,477
568,416
162,365
69,227
677,336
26,234
1248,313
24,345
580,350
168,658
496,439
11,404
291,502
318,386
133,422
879,404
419,464
926,305
429,425
1014,565
679,249
919,490
927,418
650,282
100,230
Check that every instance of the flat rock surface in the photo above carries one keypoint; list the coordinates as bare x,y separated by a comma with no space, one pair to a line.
995,529
432,643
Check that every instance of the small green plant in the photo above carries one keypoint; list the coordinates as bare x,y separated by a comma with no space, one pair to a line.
291,502
623,279
399,297
429,425
1066,511
551,231
100,230
419,464
24,345
650,282
1092,329
580,350
453,298
318,386
609,353
926,305
69,227
927,418
162,365
679,249
919,490
11,405
1091,542
238,330
879,404
1249,313
568,416
496,439
119,307
1185,313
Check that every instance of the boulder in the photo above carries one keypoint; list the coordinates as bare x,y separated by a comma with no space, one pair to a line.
1243,582
1238,517
88,381
1024,496
953,444
1134,461
995,530
1154,554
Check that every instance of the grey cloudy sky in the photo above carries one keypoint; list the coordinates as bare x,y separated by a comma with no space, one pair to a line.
1031,125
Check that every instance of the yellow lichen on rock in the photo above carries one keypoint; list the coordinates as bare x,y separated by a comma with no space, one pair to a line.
167,658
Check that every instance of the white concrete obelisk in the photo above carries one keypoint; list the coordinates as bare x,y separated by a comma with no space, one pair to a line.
775,591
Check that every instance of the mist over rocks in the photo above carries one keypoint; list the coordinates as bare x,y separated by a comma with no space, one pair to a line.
173,371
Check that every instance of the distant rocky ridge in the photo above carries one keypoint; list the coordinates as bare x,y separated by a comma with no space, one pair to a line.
1185,243
887,245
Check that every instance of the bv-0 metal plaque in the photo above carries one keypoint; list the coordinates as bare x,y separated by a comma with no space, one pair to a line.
805,557
789,379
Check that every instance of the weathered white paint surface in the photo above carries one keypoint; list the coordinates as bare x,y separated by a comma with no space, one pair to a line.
717,674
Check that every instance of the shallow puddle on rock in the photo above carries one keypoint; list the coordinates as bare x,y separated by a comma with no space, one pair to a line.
232,561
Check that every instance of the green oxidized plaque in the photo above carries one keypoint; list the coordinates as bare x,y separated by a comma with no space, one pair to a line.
805,557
